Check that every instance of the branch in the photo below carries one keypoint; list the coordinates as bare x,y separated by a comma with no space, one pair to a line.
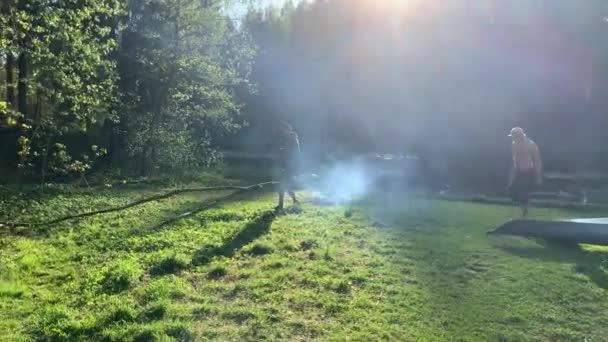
238,189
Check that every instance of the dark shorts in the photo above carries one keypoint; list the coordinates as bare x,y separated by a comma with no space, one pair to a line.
523,184
287,177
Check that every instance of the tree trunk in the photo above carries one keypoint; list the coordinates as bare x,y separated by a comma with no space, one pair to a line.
22,86
38,107
45,161
10,80
144,162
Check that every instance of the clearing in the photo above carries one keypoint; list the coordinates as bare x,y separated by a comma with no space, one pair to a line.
406,269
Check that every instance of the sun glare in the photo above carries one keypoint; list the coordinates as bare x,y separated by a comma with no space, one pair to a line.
397,6
387,11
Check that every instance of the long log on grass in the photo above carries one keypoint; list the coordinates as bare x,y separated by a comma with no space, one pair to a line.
102,185
209,205
237,189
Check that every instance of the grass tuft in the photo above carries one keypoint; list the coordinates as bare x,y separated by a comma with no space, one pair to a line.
180,332
168,287
12,290
238,315
217,272
260,249
155,312
120,276
58,323
202,311
122,315
308,244
343,287
170,264
146,335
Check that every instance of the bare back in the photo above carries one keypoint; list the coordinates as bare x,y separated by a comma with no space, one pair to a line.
526,156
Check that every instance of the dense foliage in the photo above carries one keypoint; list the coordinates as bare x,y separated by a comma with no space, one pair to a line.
66,83
152,81
179,72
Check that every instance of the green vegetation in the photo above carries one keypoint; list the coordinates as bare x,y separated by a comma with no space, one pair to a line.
140,87
406,269
152,91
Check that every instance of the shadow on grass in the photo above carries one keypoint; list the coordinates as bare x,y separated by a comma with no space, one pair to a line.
257,227
593,264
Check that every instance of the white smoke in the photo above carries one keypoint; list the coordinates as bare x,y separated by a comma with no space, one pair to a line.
345,182
351,180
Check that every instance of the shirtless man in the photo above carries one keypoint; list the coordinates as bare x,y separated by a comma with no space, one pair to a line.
527,168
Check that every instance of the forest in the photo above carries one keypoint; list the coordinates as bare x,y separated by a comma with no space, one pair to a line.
160,87
144,145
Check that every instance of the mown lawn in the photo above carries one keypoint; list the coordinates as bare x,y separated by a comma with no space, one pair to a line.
394,269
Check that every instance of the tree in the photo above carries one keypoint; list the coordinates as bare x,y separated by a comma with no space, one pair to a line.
180,63
65,80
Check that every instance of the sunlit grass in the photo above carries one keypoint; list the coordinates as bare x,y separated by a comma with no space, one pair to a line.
398,269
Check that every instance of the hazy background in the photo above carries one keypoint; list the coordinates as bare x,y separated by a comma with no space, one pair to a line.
239,9
173,83
443,79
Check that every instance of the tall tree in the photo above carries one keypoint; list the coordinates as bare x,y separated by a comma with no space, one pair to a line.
180,64
9,66
64,72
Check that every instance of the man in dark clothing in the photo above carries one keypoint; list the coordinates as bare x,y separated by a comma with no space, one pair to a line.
289,153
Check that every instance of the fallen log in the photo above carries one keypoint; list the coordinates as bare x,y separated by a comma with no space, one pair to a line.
238,189
591,231
210,205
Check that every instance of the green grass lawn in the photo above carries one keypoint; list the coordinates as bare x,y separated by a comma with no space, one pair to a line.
405,269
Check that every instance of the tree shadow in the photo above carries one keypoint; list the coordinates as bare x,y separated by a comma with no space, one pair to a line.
256,228
593,264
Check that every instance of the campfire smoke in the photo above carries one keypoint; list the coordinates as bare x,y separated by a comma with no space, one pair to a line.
348,181
344,182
